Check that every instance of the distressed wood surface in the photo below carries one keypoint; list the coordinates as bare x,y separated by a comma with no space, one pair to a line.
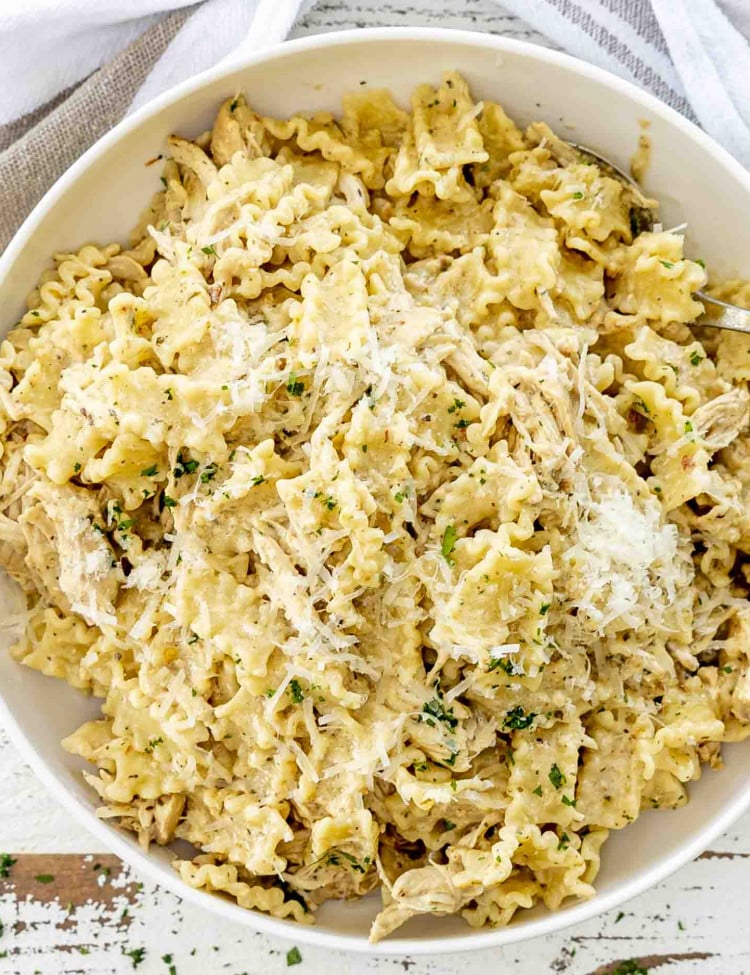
69,908
87,914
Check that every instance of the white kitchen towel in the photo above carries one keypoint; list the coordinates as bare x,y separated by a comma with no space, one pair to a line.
46,46
219,31
70,69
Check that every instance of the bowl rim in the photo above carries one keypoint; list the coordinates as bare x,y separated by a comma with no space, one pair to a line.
110,836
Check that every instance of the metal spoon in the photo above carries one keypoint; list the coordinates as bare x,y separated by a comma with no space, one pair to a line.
729,316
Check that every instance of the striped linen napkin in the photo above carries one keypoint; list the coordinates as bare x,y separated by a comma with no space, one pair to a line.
693,54
94,61
71,69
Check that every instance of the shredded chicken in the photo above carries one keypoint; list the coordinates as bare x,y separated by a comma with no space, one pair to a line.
383,495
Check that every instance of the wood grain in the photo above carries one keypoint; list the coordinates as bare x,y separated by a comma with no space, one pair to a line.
71,914
69,878
647,963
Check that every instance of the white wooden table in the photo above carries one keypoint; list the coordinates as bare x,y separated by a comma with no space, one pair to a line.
95,917
69,908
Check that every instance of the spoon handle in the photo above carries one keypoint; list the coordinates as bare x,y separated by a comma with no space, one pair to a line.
731,316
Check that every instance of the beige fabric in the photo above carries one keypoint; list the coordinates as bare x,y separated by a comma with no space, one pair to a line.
37,149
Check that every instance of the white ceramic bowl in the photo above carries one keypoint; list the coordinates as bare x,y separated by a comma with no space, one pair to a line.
101,195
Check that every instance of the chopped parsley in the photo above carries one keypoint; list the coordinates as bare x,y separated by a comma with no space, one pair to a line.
506,664
168,502
696,358
233,104
152,745
293,957
517,719
169,392
667,264
209,473
448,825
578,195
209,250
167,959
544,609
458,404
334,857
193,638
136,955
630,967
567,801
330,503
76,467
449,543
463,424
151,471
436,709
295,691
184,466
564,842
725,670
556,777
7,862
258,479
399,496
688,426
294,386
538,791
700,263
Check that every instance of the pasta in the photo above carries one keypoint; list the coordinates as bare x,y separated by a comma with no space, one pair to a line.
384,494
